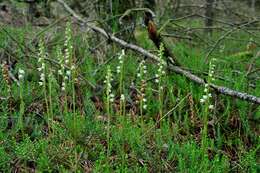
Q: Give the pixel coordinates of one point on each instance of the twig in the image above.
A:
(127, 12)
(223, 37)
(178, 70)
(168, 113)
(176, 36)
(13, 78)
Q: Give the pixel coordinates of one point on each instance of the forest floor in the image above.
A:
(72, 102)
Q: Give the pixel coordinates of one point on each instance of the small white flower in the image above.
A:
(157, 80)
(206, 85)
(42, 76)
(73, 67)
(21, 71)
(39, 69)
(144, 106)
(68, 73)
(144, 100)
(202, 100)
(209, 95)
(138, 74)
(66, 61)
(111, 99)
(205, 97)
(156, 75)
(40, 83)
(20, 76)
(122, 97)
(211, 107)
(145, 71)
(206, 90)
(163, 72)
(60, 72)
(63, 88)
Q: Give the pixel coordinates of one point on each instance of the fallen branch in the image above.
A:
(178, 70)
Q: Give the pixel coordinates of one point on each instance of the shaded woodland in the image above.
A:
(130, 86)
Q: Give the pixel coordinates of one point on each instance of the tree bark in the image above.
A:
(32, 9)
(47, 8)
(209, 13)
(253, 3)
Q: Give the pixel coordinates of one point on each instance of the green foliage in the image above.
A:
(25, 150)
(5, 159)
(68, 131)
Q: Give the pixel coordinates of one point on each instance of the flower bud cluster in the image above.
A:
(21, 74)
(65, 61)
(161, 71)
(107, 82)
(120, 59)
(42, 65)
(141, 74)
(68, 44)
(207, 95)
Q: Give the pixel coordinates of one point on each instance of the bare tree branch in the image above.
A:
(224, 36)
(176, 69)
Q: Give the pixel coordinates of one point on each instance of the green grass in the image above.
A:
(75, 138)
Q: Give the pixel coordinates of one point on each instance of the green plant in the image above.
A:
(109, 96)
(160, 79)
(207, 107)
(22, 105)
